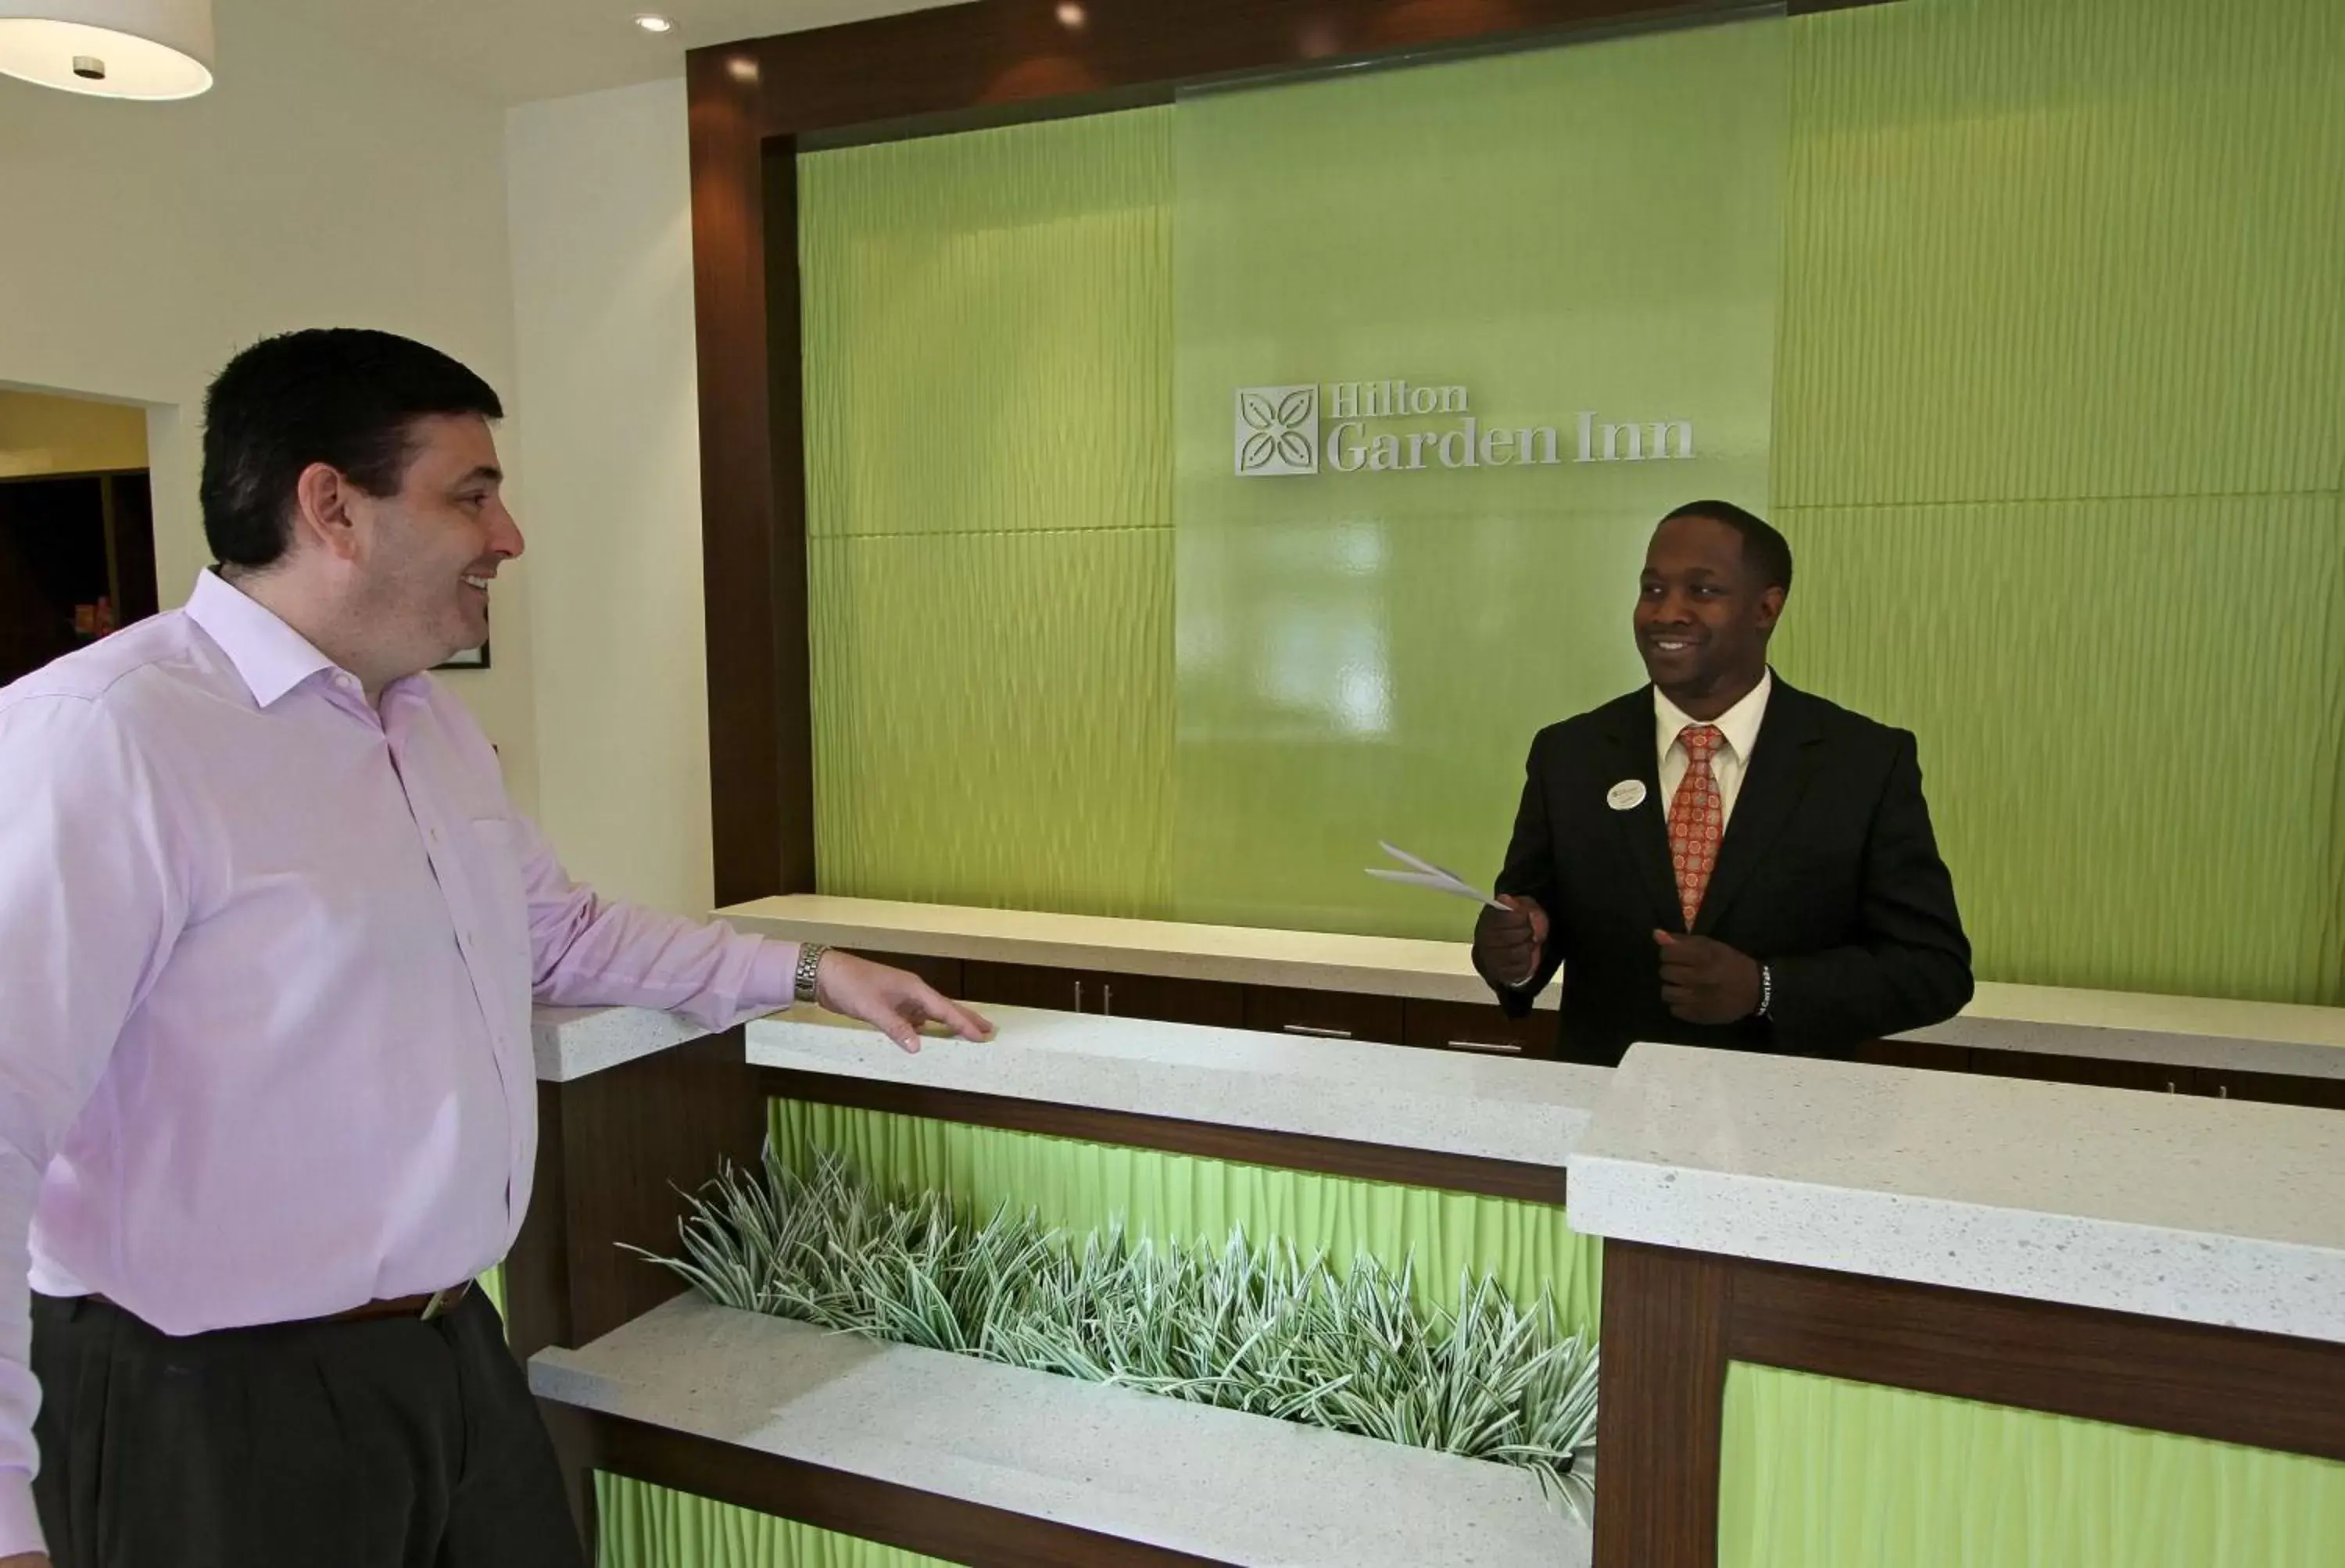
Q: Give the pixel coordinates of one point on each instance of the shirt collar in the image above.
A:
(1739, 724)
(272, 658)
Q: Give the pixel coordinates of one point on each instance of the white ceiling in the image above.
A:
(523, 50)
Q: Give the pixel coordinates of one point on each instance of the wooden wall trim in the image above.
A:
(851, 1504)
(2230, 1385)
(760, 768)
(1209, 1140)
(1001, 52)
(1013, 59)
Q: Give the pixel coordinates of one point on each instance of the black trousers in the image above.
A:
(388, 1443)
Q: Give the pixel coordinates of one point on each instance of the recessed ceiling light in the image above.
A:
(1070, 16)
(653, 22)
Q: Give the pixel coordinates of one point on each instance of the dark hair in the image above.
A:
(1762, 547)
(336, 396)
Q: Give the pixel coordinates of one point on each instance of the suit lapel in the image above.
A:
(1644, 829)
(1777, 775)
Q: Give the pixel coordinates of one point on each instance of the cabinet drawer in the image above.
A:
(2278, 1088)
(1477, 1026)
(1172, 1000)
(1923, 1053)
(1031, 985)
(2053, 1067)
(944, 973)
(1323, 1015)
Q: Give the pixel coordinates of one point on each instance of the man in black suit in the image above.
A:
(1717, 858)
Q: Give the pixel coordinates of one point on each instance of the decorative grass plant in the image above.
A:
(1244, 1328)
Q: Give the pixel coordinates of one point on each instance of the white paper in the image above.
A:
(1426, 874)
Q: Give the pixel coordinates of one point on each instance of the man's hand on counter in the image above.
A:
(896, 1002)
(1507, 943)
(1704, 980)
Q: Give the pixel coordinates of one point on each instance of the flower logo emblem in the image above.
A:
(1277, 429)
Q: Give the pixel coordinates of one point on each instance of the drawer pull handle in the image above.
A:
(1318, 1033)
(1493, 1047)
(1079, 996)
(1107, 1000)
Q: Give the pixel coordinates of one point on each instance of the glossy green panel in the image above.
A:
(1820, 1473)
(1523, 241)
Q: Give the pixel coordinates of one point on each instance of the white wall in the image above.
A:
(600, 202)
(142, 244)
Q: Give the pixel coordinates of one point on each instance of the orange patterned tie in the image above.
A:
(1697, 818)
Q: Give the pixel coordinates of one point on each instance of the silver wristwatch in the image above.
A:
(809, 966)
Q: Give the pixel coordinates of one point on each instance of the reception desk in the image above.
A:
(1426, 994)
(2019, 1252)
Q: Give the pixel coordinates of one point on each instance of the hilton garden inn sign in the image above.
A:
(1279, 431)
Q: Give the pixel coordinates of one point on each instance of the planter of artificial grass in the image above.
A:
(1258, 1331)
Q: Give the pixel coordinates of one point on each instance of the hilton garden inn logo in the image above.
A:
(1277, 431)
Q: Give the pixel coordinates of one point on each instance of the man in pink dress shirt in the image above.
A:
(269, 933)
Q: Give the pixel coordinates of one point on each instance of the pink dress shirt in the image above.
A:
(267, 957)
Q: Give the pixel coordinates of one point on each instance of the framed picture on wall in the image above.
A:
(470, 658)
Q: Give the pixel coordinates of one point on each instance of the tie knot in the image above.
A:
(1700, 739)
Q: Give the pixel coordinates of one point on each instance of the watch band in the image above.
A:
(809, 966)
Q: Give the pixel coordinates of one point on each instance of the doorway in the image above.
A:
(76, 527)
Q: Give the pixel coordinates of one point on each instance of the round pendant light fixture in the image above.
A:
(109, 49)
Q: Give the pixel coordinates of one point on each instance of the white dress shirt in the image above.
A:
(1739, 725)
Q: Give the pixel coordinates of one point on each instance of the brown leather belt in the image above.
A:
(430, 1305)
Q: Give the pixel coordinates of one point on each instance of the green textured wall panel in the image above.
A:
(992, 718)
(1085, 1186)
(650, 1527)
(1820, 1473)
(988, 375)
(987, 322)
(2053, 249)
(2128, 719)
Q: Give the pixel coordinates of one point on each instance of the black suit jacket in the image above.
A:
(1828, 872)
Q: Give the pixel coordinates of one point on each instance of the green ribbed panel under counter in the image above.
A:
(1081, 1187)
(650, 1527)
(1821, 1473)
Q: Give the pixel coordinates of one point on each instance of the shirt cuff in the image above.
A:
(773, 977)
(20, 1522)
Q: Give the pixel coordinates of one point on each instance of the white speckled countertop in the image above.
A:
(2208, 1211)
(2177, 1031)
(572, 1041)
(2135, 1026)
(1244, 955)
(1222, 1484)
(1398, 1096)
